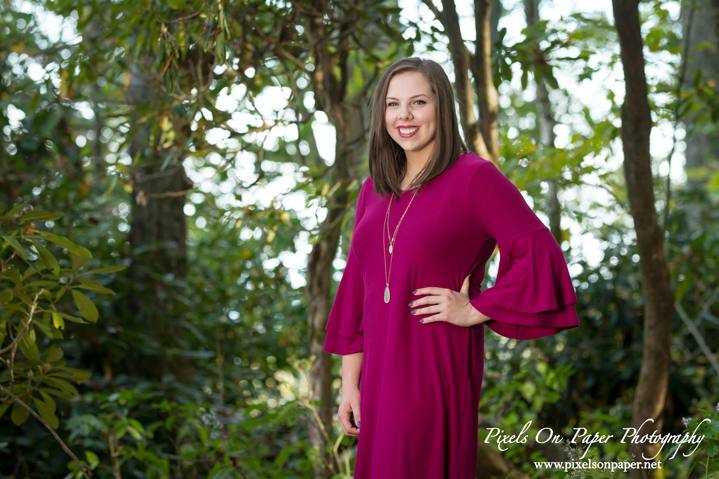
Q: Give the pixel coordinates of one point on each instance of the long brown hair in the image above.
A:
(387, 161)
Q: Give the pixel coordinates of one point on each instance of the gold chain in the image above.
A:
(391, 244)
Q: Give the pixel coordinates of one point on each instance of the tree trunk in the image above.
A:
(651, 391)
(494, 17)
(347, 114)
(702, 149)
(486, 92)
(546, 130)
(349, 125)
(491, 464)
(158, 237)
(462, 83)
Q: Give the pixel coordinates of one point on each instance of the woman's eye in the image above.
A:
(393, 103)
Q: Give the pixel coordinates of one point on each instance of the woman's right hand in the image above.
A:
(349, 412)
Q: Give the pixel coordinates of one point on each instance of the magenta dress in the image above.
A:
(420, 383)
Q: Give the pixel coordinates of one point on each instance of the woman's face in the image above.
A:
(410, 113)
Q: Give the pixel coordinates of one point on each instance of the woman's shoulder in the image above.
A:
(471, 162)
(461, 175)
(367, 187)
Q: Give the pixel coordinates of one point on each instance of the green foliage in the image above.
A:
(579, 454)
(706, 424)
(113, 433)
(159, 437)
(32, 285)
(516, 405)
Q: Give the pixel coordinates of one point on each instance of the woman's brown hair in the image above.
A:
(387, 161)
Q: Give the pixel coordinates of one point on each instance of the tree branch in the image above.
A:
(85, 472)
(13, 345)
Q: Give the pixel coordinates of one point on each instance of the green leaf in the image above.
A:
(55, 354)
(92, 459)
(29, 349)
(3, 408)
(34, 102)
(49, 401)
(62, 385)
(40, 216)
(109, 269)
(44, 328)
(57, 321)
(78, 261)
(15, 209)
(69, 317)
(43, 283)
(5, 297)
(21, 252)
(136, 424)
(46, 413)
(19, 414)
(133, 432)
(13, 275)
(59, 393)
(65, 243)
(177, 4)
(22, 296)
(94, 286)
(220, 48)
(60, 293)
(169, 80)
(85, 305)
(78, 375)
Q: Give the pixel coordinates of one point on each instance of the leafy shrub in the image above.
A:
(33, 301)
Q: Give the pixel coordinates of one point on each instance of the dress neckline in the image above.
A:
(403, 193)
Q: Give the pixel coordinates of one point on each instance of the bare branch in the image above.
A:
(697, 336)
(434, 9)
(12, 346)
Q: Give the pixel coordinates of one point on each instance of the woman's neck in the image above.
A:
(416, 160)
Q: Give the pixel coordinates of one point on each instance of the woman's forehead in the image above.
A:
(408, 84)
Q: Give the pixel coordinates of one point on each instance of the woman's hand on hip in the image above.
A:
(442, 304)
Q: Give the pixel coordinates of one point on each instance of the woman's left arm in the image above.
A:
(533, 295)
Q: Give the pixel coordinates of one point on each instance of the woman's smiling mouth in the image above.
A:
(407, 131)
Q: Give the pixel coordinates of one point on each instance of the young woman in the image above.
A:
(409, 313)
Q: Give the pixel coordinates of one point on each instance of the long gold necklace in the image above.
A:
(391, 242)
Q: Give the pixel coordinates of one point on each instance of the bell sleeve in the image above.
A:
(344, 326)
(533, 295)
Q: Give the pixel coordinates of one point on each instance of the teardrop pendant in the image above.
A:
(391, 247)
(386, 294)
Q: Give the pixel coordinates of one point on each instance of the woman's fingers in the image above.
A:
(346, 423)
(356, 414)
(348, 426)
(349, 414)
(433, 299)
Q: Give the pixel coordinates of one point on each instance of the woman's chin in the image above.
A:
(410, 144)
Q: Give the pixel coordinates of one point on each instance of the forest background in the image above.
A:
(177, 184)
